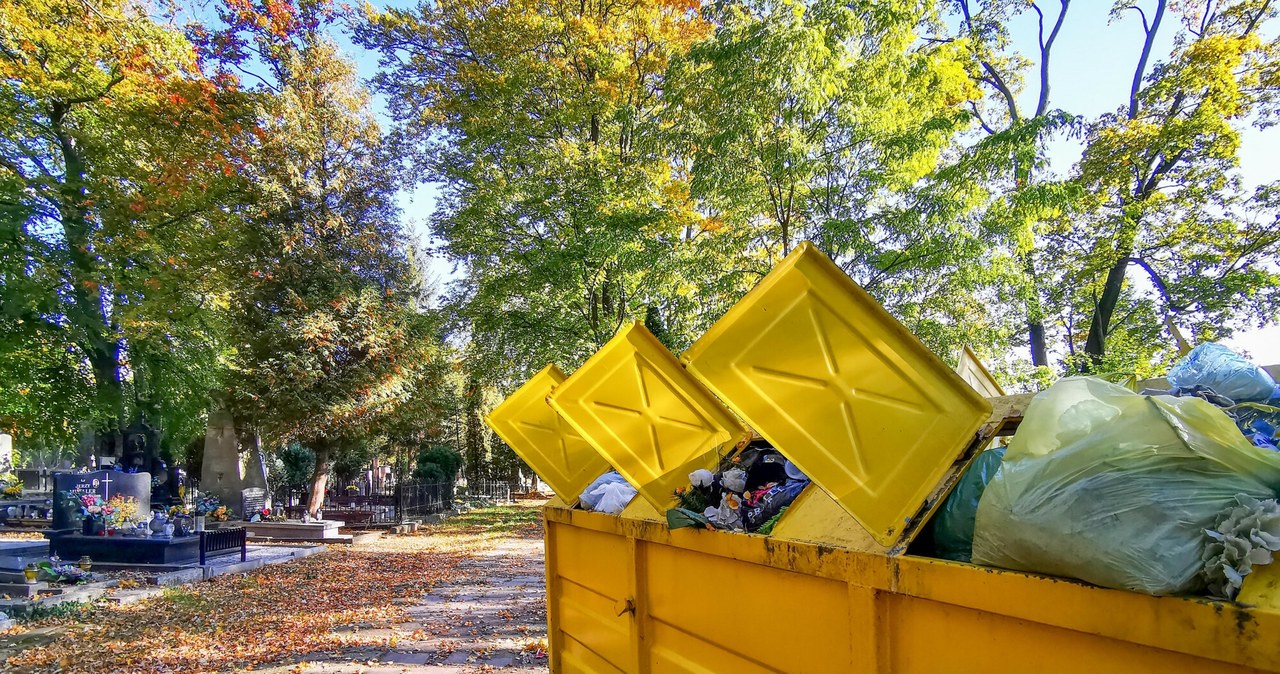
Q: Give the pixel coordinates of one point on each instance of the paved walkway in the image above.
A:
(492, 620)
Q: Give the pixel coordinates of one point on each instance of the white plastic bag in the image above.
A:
(1117, 488)
(614, 496)
(590, 497)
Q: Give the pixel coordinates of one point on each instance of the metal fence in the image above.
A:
(415, 498)
(497, 491)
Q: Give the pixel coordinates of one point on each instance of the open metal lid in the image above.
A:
(816, 366)
(551, 447)
(644, 414)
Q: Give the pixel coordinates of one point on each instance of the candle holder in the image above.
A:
(31, 573)
(86, 563)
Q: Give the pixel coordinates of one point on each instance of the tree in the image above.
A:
(116, 156)
(539, 120)
(826, 121)
(1152, 234)
(1168, 201)
(327, 334)
(1011, 159)
(437, 464)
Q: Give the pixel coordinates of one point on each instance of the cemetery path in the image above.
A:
(490, 617)
(461, 597)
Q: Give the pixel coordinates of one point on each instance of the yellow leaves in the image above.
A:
(712, 224)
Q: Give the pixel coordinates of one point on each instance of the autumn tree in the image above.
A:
(324, 319)
(116, 157)
(1168, 203)
(540, 120)
(1152, 238)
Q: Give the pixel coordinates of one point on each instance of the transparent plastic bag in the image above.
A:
(1223, 370)
(1116, 488)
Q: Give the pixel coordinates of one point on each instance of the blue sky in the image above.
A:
(1090, 73)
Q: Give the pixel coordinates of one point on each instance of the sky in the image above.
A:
(1091, 71)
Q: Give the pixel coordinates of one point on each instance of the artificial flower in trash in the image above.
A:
(734, 480)
(701, 478)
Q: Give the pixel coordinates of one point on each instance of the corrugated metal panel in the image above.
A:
(645, 415)
(971, 369)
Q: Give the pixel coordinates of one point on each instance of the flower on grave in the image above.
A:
(12, 491)
(351, 488)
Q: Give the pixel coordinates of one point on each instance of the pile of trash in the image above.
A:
(749, 492)
(609, 493)
(1162, 492)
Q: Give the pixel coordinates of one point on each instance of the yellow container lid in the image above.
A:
(551, 447)
(825, 374)
(971, 369)
(652, 421)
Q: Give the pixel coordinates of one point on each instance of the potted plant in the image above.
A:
(210, 507)
(92, 512)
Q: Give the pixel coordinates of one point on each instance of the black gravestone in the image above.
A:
(69, 487)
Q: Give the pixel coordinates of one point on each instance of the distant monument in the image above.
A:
(6, 453)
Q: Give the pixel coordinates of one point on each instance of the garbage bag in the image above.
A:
(1117, 488)
(953, 527)
(614, 497)
(1223, 370)
(590, 498)
(763, 509)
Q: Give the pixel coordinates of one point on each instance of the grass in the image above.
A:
(498, 519)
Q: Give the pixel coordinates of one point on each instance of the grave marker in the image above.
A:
(69, 487)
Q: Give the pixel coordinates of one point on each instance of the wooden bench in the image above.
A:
(219, 540)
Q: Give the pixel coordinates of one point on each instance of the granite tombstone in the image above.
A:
(69, 487)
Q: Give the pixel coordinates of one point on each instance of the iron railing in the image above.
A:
(498, 491)
(415, 498)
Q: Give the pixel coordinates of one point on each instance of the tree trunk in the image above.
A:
(1039, 351)
(86, 312)
(320, 477)
(1095, 347)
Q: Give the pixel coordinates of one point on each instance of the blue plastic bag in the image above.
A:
(1225, 371)
(953, 527)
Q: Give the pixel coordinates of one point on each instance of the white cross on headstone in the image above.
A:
(106, 488)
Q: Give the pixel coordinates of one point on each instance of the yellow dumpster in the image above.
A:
(883, 429)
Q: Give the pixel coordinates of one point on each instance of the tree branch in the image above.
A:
(1146, 54)
(1045, 48)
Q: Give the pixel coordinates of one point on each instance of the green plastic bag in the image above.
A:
(953, 527)
(1116, 488)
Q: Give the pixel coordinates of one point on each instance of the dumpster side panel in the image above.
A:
(591, 577)
(712, 610)
(977, 641)
(711, 602)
